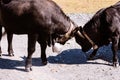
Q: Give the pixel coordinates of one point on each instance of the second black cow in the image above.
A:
(103, 28)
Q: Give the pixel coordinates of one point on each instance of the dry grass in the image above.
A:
(83, 6)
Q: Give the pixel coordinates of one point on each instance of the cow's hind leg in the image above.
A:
(115, 41)
(10, 48)
(31, 48)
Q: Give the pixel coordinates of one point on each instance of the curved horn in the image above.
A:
(78, 32)
(68, 34)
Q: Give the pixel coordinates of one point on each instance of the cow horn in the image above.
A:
(68, 34)
(70, 30)
(78, 32)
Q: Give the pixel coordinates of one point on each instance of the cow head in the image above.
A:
(82, 41)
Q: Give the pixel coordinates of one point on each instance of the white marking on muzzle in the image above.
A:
(57, 47)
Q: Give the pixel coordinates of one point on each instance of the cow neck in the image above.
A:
(90, 40)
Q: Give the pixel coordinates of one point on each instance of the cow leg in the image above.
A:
(115, 41)
(93, 54)
(10, 48)
(43, 45)
(31, 48)
(0, 39)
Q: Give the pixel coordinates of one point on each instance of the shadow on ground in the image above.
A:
(14, 64)
(76, 56)
(70, 57)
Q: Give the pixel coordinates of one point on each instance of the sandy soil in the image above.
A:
(70, 64)
(84, 6)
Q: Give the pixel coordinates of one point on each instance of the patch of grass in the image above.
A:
(83, 6)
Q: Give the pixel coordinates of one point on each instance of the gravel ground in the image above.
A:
(70, 64)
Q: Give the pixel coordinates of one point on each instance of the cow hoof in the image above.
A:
(11, 54)
(44, 62)
(116, 64)
(28, 69)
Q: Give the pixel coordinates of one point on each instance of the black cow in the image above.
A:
(42, 20)
(103, 28)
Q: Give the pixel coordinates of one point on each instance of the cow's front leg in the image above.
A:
(10, 48)
(92, 55)
(43, 53)
(115, 41)
(43, 45)
(31, 48)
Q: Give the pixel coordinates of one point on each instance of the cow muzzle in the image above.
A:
(57, 47)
